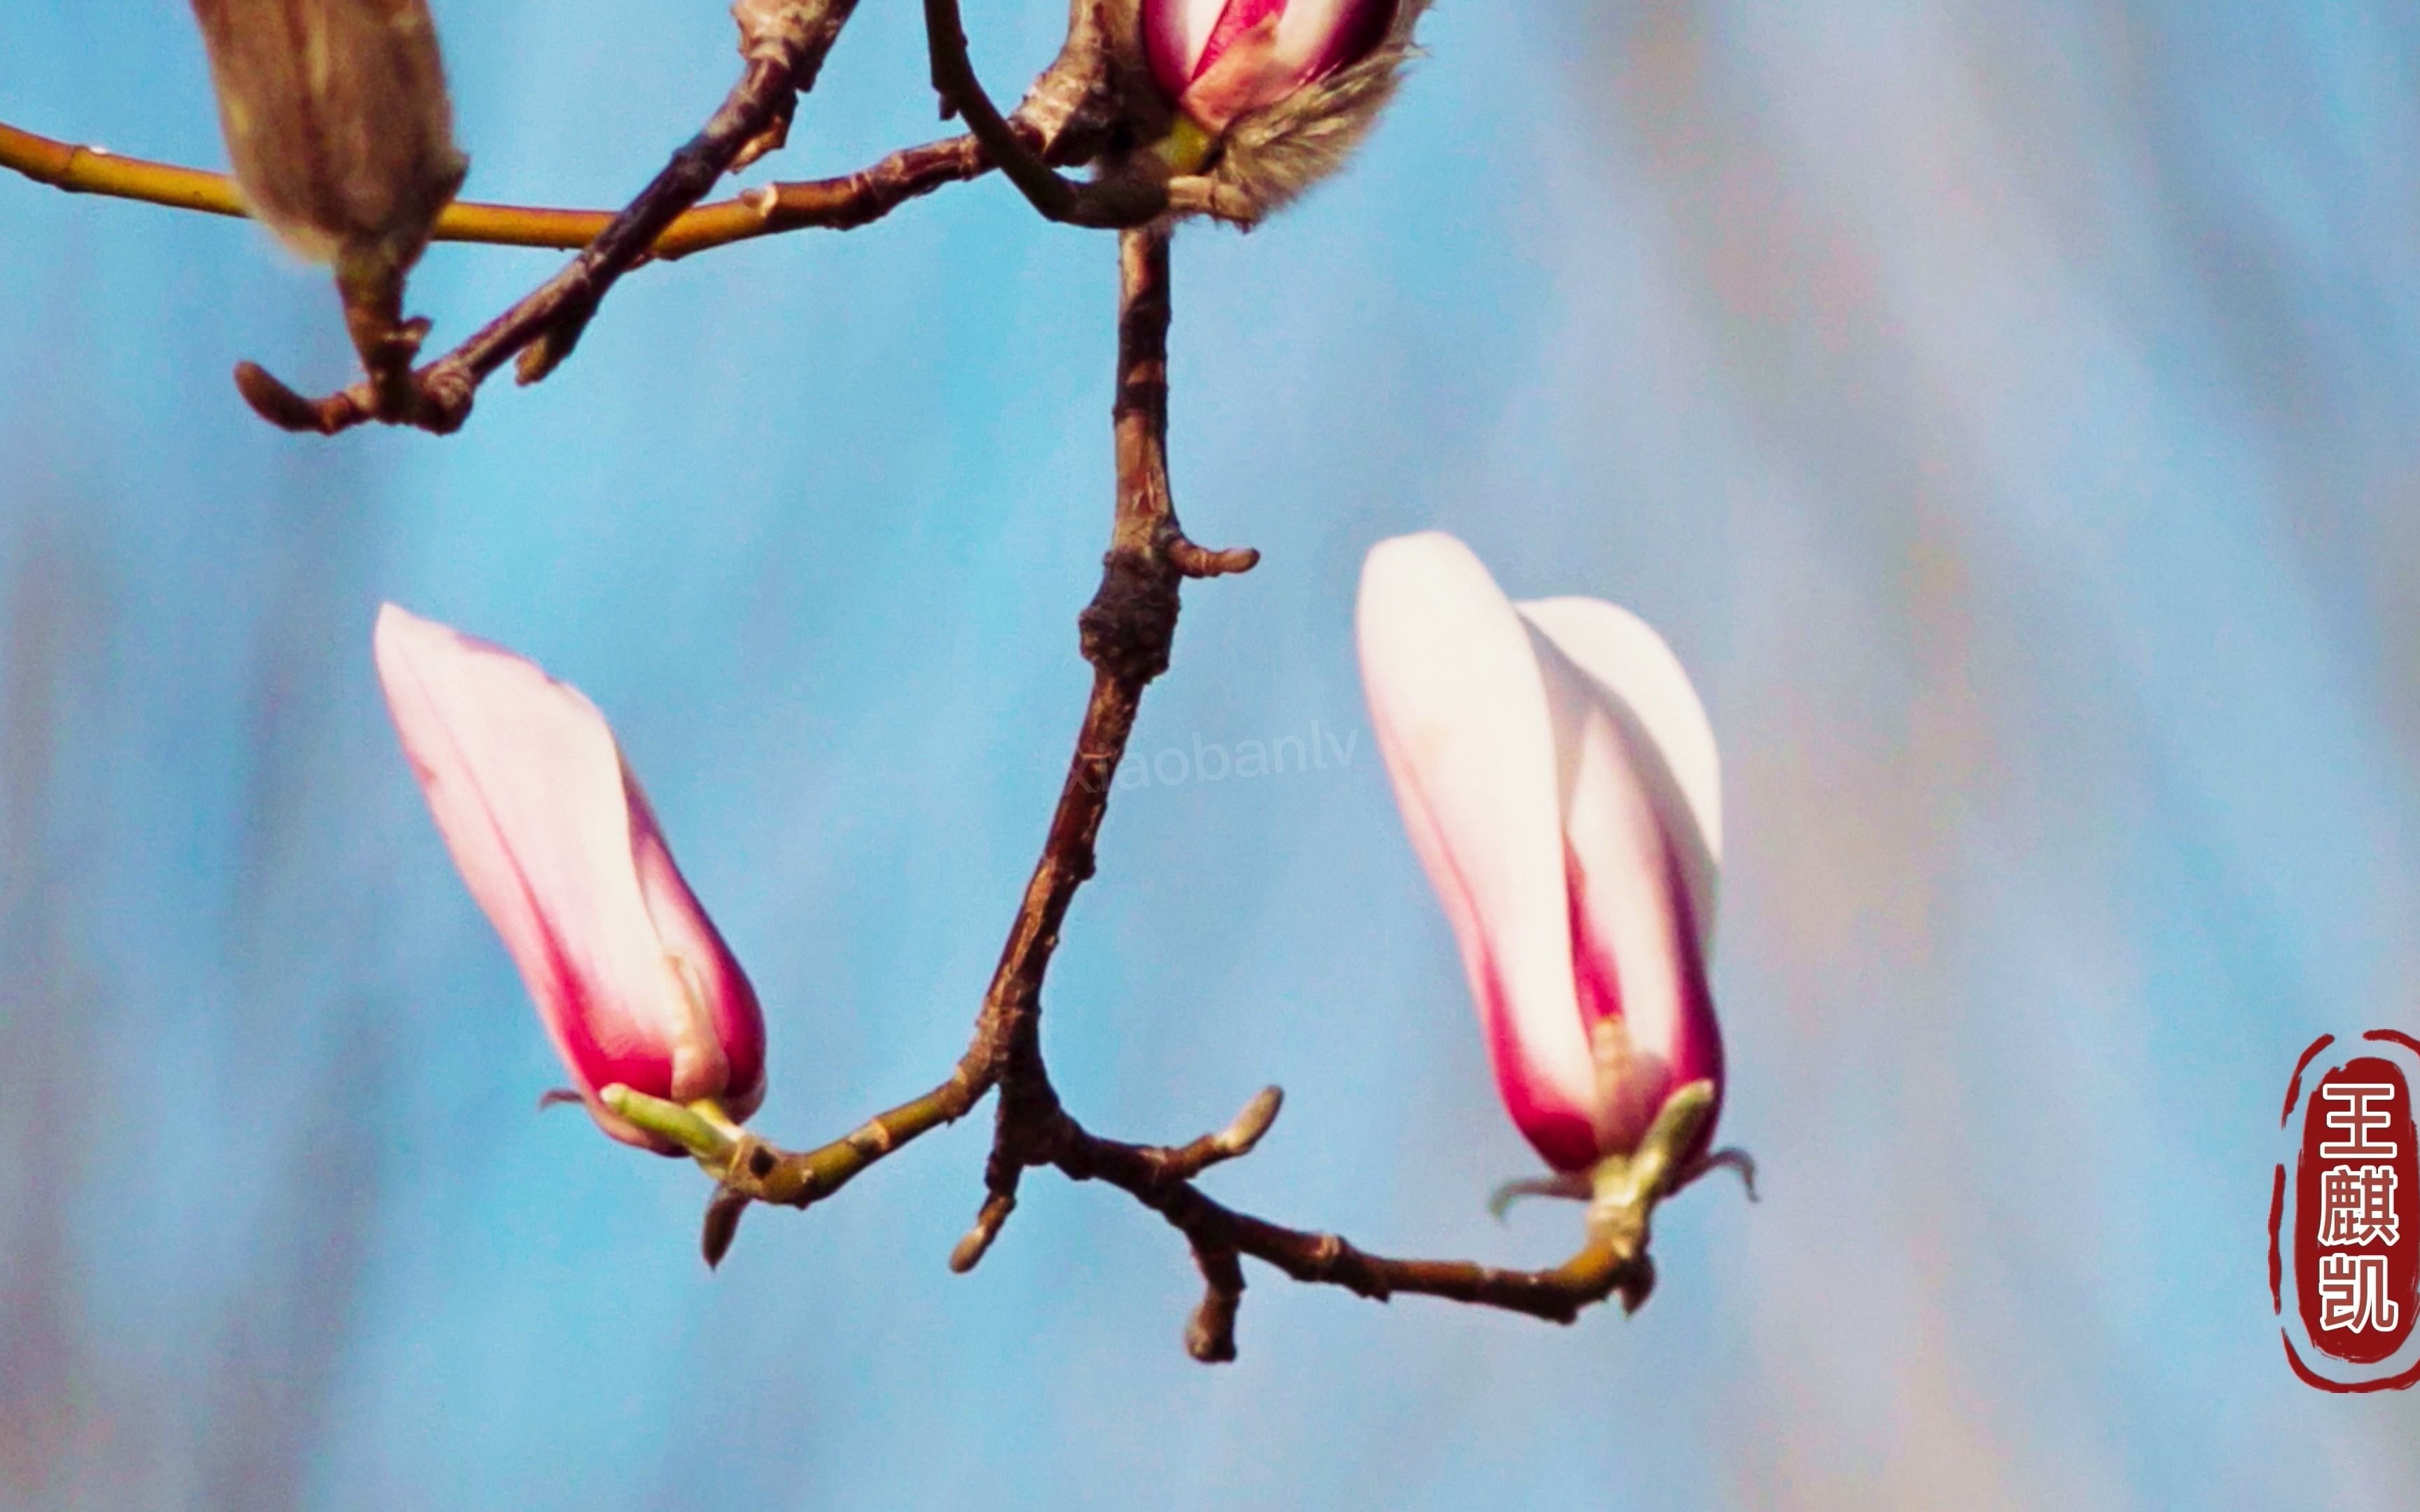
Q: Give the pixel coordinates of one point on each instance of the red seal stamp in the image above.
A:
(2344, 1215)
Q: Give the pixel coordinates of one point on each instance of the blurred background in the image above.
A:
(2006, 410)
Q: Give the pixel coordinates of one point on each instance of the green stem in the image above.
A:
(810, 1176)
(1628, 1186)
(699, 1128)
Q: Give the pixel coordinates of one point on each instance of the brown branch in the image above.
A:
(437, 396)
(1126, 634)
(1612, 1261)
(92, 170)
(1065, 119)
(1125, 200)
(784, 42)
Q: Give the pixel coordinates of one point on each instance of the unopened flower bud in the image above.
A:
(1560, 782)
(1273, 95)
(337, 124)
(558, 845)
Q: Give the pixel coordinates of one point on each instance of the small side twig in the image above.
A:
(1608, 1265)
(1000, 1175)
(761, 1173)
(1182, 1162)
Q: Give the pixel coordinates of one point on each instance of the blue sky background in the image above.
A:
(2008, 410)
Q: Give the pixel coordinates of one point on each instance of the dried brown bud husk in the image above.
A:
(342, 137)
(336, 120)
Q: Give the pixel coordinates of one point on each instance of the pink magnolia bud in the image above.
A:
(1217, 59)
(1560, 782)
(560, 848)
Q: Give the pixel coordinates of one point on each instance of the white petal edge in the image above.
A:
(1461, 716)
(526, 781)
(1632, 930)
(1623, 653)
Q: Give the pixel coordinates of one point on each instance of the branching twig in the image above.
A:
(1062, 120)
(1126, 634)
(1058, 121)
(784, 42)
(1139, 193)
(1125, 201)
(1071, 115)
(1609, 1263)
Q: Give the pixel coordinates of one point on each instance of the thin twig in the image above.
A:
(1062, 120)
(1124, 201)
(1606, 1265)
(784, 44)
(1126, 633)
(838, 204)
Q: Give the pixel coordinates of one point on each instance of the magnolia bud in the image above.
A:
(559, 846)
(337, 123)
(1560, 782)
(1273, 95)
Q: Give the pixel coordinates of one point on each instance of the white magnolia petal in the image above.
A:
(1462, 720)
(720, 1051)
(525, 781)
(1633, 663)
(1634, 945)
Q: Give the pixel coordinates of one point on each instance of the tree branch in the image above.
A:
(1061, 119)
(1126, 633)
(1066, 117)
(1130, 200)
(784, 44)
(1610, 1262)
(840, 203)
